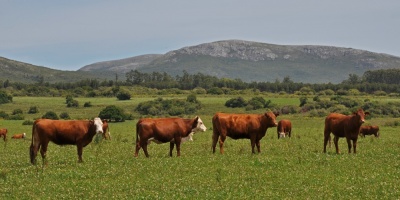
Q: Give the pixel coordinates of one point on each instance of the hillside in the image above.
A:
(16, 71)
(253, 61)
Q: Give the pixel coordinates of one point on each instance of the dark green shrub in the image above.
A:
(68, 99)
(215, 90)
(303, 101)
(191, 98)
(50, 115)
(173, 107)
(123, 96)
(73, 103)
(17, 111)
(87, 104)
(64, 115)
(237, 102)
(91, 94)
(4, 98)
(33, 110)
(113, 113)
(3, 115)
(16, 117)
(27, 122)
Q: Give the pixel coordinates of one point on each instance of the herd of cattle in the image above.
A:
(178, 130)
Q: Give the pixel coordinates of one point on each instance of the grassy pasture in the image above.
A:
(292, 168)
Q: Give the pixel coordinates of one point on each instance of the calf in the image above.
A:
(162, 130)
(369, 130)
(106, 130)
(19, 136)
(284, 128)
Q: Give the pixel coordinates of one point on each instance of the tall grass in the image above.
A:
(292, 168)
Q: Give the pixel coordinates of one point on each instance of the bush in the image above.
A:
(73, 103)
(3, 115)
(87, 104)
(27, 122)
(16, 117)
(33, 110)
(17, 111)
(215, 90)
(237, 102)
(123, 96)
(113, 113)
(68, 99)
(172, 107)
(4, 98)
(50, 115)
(256, 103)
(191, 98)
(64, 115)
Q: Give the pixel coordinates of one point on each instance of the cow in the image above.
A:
(107, 134)
(284, 128)
(3, 133)
(162, 130)
(369, 130)
(347, 126)
(19, 136)
(60, 132)
(241, 126)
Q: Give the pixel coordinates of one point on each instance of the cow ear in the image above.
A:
(366, 113)
(196, 118)
(276, 114)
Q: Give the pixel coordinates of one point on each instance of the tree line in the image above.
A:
(370, 82)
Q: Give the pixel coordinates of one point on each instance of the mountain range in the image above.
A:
(245, 60)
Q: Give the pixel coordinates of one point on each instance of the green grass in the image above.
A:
(292, 168)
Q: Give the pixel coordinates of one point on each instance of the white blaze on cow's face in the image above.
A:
(200, 126)
(99, 125)
(282, 135)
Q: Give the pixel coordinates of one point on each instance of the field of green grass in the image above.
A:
(292, 168)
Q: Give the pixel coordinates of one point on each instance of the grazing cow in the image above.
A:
(3, 133)
(284, 128)
(162, 130)
(241, 126)
(19, 136)
(369, 130)
(344, 126)
(69, 132)
(107, 134)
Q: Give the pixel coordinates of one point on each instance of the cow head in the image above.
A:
(282, 134)
(271, 118)
(23, 135)
(98, 124)
(198, 125)
(360, 114)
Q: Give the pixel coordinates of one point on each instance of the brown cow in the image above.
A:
(3, 133)
(107, 134)
(162, 130)
(19, 136)
(241, 126)
(284, 128)
(344, 126)
(69, 132)
(369, 130)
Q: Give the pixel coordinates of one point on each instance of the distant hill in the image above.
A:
(16, 71)
(253, 61)
(249, 61)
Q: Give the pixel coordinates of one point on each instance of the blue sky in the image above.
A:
(68, 35)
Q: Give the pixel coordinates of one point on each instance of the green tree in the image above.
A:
(50, 115)
(113, 113)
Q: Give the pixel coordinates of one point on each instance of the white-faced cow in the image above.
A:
(68, 132)
(241, 126)
(347, 126)
(162, 130)
(3, 133)
(284, 128)
(369, 130)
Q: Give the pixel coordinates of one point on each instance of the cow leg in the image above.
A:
(43, 150)
(171, 147)
(253, 143)
(354, 145)
(327, 137)
(336, 142)
(80, 149)
(144, 147)
(178, 149)
(137, 149)
(221, 143)
(33, 152)
(215, 137)
(348, 144)
(258, 146)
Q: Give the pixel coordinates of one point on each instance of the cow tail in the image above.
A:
(32, 147)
